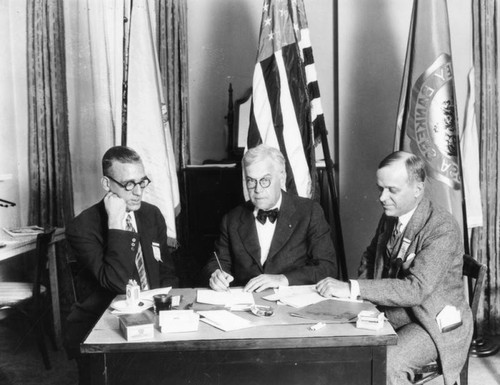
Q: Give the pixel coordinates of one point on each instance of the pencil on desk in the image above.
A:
(220, 267)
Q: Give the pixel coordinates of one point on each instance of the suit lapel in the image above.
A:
(414, 226)
(284, 226)
(248, 234)
(417, 222)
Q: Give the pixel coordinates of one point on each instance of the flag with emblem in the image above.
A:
(427, 122)
(148, 127)
(286, 110)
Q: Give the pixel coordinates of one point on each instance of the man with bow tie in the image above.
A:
(276, 238)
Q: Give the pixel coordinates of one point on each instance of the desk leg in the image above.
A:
(379, 365)
(54, 292)
(98, 369)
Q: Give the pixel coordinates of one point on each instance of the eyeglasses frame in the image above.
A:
(124, 186)
(266, 178)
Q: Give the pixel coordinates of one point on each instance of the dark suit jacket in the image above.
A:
(106, 261)
(431, 281)
(301, 249)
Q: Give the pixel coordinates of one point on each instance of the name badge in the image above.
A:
(156, 251)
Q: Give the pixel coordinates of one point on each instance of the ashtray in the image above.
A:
(262, 311)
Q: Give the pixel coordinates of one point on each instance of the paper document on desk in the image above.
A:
(301, 295)
(296, 296)
(224, 320)
(335, 311)
(225, 298)
(148, 294)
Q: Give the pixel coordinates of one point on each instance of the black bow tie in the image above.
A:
(269, 214)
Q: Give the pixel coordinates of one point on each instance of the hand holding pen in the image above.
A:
(219, 279)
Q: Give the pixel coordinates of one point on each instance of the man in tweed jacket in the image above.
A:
(413, 274)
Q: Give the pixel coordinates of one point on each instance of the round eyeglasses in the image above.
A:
(264, 182)
(130, 185)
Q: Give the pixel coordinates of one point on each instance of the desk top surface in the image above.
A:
(279, 331)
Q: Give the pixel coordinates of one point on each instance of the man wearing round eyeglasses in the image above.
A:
(276, 238)
(118, 239)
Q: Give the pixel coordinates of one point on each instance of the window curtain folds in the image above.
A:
(485, 240)
(51, 197)
(172, 55)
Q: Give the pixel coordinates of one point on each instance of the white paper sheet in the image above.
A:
(225, 298)
(224, 320)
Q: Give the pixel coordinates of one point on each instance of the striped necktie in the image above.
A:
(391, 244)
(139, 260)
(394, 237)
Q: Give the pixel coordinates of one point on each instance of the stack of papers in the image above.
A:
(224, 320)
(225, 298)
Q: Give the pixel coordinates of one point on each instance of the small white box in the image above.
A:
(137, 327)
(172, 321)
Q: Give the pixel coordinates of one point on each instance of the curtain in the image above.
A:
(50, 180)
(51, 197)
(485, 242)
(94, 46)
(172, 55)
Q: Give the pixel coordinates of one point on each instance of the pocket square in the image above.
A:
(409, 260)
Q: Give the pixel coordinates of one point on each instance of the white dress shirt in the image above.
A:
(265, 232)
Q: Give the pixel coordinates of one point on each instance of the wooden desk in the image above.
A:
(21, 245)
(283, 353)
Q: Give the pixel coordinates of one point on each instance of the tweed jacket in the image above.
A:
(301, 248)
(106, 259)
(426, 284)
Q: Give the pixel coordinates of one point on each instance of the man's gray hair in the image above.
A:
(415, 166)
(262, 152)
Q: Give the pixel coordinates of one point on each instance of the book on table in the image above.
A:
(24, 231)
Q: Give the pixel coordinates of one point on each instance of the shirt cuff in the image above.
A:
(354, 289)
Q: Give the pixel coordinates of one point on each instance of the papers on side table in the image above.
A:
(24, 231)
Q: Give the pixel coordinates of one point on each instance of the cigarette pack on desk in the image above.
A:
(172, 321)
(137, 327)
(370, 319)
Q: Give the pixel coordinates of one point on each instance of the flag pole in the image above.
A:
(127, 23)
(329, 164)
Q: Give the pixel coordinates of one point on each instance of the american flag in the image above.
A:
(286, 110)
